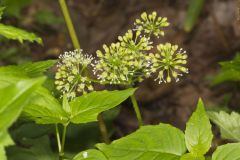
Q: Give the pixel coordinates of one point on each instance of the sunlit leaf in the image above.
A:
(14, 33)
(190, 156)
(198, 133)
(13, 99)
(149, 142)
(43, 108)
(5, 140)
(227, 152)
(229, 124)
(14, 73)
(87, 107)
(35, 69)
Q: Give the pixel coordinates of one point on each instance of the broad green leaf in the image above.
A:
(229, 151)
(32, 149)
(14, 98)
(190, 156)
(87, 107)
(5, 140)
(229, 124)
(43, 108)
(91, 154)
(194, 10)
(14, 73)
(148, 143)
(35, 69)
(14, 7)
(14, 33)
(198, 133)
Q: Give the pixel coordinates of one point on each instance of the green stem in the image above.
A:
(61, 154)
(69, 23)
(103, 129)
(137, 110)
(58, 138)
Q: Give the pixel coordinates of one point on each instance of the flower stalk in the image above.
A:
(137, 110)
(69, 78)
(69, 24)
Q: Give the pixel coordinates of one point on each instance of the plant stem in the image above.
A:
(58, 138)
(76, 45)
(69, 23)
(61, 154)
(103, 129)
(137, 110)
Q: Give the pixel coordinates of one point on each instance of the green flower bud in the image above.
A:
(169, 61)
(151, 24)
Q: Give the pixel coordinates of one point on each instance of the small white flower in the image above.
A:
(70, 76)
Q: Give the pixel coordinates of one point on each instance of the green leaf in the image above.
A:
(36, 149)
(34, 130)
(227, 152)
(36, 69)
(5, 140)
(14, 33)
(230, 71)
(87, 107)
(1, 12)
(190, 156)
(14, 98)
(44, 108)
(194, 10)
(149, 142)
(229, 124)
(198, 133)
(14, 7)
(91, 154)
(14, 73)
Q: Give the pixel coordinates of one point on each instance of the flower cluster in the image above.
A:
(127, 61)
(134, 43)
(151, 24)
(124, 62)
(70, 76)
(169, 62)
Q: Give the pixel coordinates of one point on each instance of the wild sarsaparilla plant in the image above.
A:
(126, 62)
